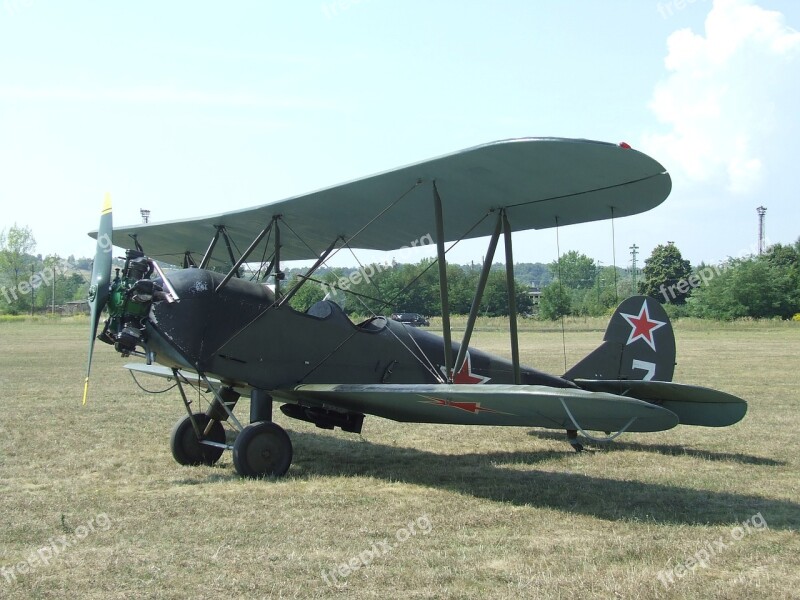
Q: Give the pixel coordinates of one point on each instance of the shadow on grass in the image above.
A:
(497, 477)
(669, 450)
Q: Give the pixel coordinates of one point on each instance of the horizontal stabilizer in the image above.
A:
(488, 404)
(693, 404)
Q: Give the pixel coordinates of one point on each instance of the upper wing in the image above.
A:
(541, 182)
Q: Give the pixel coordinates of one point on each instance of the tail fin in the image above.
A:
(639, 344)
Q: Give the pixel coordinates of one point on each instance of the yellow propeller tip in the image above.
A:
(85, 390)
(106, 204)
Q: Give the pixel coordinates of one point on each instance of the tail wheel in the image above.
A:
(187, 449)
(262, 449)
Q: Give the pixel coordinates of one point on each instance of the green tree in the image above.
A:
(575, 270)
(555, 302)
(665, 275)
(759, 287)
(16, 247)
(308, 294)
(495, 297)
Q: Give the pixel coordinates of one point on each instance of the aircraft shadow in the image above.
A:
(498, 477)
(668, 450)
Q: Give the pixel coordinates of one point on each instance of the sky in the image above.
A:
(194, 108)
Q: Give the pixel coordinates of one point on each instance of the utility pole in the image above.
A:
(597, 279)
(762, 212)
(53, 312)
(634, 252)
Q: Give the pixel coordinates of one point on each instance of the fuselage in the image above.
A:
(241, 335)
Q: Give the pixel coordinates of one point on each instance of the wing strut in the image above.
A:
(228, 245)
(303, 278)
(207, 256)
(277, 257)
(448, 344)
(246, 253)
(512, 299)
(476, 300)
(593, 438)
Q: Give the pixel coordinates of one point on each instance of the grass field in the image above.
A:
(93, 505)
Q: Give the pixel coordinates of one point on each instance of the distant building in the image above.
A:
(535, 295)
(76, 307)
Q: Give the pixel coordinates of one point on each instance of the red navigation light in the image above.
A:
(625, 145)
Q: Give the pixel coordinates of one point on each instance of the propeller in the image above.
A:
(101, 278)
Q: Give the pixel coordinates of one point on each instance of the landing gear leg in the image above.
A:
(572, 438)
(260, 406)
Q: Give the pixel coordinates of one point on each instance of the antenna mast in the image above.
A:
(762, 212)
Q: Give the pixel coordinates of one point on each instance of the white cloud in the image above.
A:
(727, 95)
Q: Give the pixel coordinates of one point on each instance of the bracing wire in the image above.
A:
(144, 389)
(614, 256)
(263, 257)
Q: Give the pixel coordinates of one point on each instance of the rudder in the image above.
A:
(639, 344)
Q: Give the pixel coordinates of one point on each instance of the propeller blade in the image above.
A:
(101, 278)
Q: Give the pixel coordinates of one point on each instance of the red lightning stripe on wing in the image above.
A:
(470, 407)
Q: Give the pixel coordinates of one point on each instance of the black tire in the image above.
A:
(187, 449)
(262, 449)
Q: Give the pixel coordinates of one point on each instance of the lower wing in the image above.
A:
(487, 404)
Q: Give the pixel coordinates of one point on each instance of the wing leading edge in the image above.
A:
(488, 404)
(541, 182)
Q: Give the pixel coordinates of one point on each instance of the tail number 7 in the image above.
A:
(645, 366)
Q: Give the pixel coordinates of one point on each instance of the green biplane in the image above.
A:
(231, 336)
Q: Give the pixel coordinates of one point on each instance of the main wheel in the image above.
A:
(262, 449)
(187, 449)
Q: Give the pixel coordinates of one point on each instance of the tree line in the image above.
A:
(759, 286)
(29, 282)
(756, 286)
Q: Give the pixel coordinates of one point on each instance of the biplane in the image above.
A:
(206, 327)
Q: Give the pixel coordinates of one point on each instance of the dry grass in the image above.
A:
(513, 513)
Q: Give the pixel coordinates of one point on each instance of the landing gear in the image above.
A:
(262, 449)
(572, 438)
(187, 448)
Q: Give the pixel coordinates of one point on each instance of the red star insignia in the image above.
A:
(465, 374)
(642, 326)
